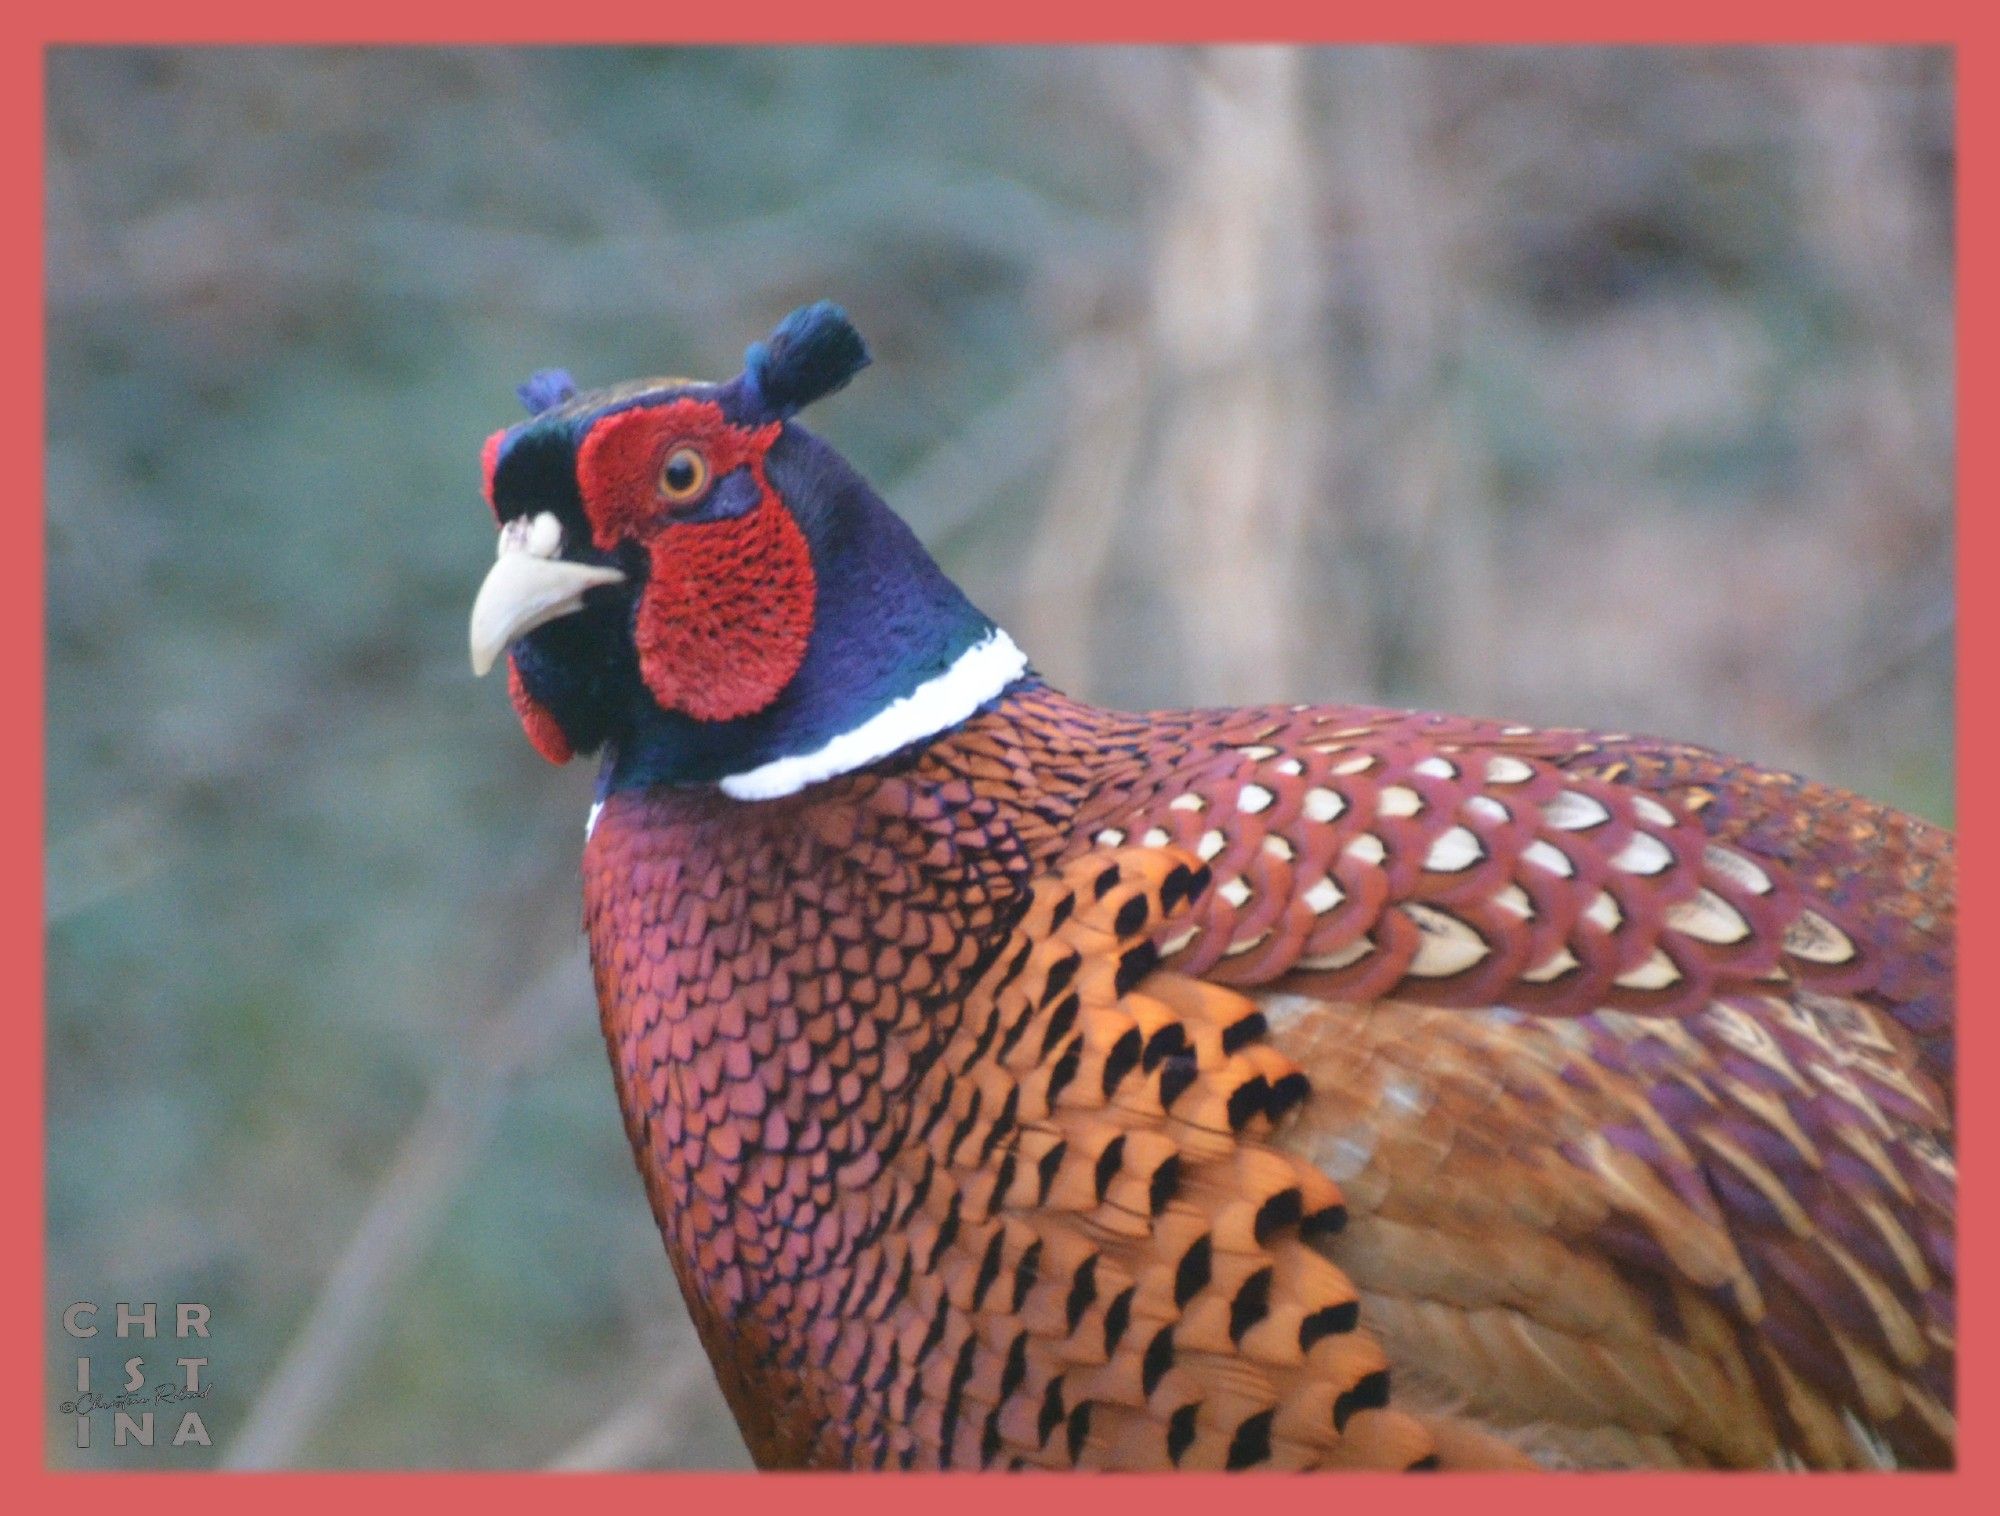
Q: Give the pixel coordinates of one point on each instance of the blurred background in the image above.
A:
(1610, 388)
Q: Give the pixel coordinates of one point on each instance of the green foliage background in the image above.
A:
(1615, 388)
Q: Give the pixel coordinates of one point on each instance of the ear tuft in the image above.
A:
(546, 389)
(813, 352)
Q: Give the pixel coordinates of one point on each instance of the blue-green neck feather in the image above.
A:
(887, 620)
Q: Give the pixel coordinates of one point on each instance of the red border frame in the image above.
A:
(21, 687)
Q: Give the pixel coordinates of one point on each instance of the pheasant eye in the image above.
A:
(683, 476)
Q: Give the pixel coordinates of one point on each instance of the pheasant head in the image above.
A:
(691, 580)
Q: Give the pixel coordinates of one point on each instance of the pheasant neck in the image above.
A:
(897, 655)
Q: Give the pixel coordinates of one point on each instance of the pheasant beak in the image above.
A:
(528, 586)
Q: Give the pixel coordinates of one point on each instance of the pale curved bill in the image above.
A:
(523, 591)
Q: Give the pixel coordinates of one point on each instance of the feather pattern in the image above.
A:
(1294, 1088)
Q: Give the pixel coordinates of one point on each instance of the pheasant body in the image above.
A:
(1022, 1084)
(837, 1057)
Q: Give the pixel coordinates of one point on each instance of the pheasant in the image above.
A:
(1022, 1084)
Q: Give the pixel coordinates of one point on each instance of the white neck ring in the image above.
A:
(939, 703)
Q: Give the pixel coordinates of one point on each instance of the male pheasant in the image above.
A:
(1023, 1084)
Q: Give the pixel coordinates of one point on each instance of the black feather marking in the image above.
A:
(1003, 1180)
(948, 1230)
(1287, 1092)
(1252, 1443)
(920, 1191)
(989, 1440)
(1131, 916)
(1003, 1122)
(935, 1333)
(1045, 1168)
(1065, 1069)
(1109, 1162)
(936, 1112)
(1052, 1410)
(1061, 1019)
(1082, 1291)
(1107, 881)
(1176, 887)
(1329, 1221)
(1159, 1358)
(989, 1267)
(1241, 1033)
(1060, 973)
(1079, 1430)
(1018, 962)
(1016, 1370)
(1117, 1317)
(1328, 1321)
(1180, 1430)
(891, 1368)
(965, 1124)
(846, 1292)
(1121, 1060)
(1251, 1305)
(1247, 1100)
(961, 1375)
(1061, 911)
(859, 1373)
(1140, 959)
(1164, 1184)
(1026, 1272)
(1012, 1035)
(984, 1042)
(901, 1287)
(1196, 1266)
(1167, 1041)
(1369, 1393)
(1281, 1210)
(1428, 1464)
(1176, 1074)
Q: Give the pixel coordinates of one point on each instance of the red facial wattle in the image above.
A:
(489, 463)
(728, 606)
(543, 730)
